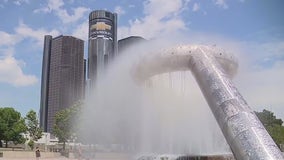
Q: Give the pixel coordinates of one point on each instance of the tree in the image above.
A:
(35, 132)
(63, 128)
(12, 125)
(277, 133)
(272, 125)
(268, 118)
(31, 143)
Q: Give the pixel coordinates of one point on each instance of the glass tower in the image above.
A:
(62, 77)
(102, 43)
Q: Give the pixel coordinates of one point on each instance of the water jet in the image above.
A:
(213, 69)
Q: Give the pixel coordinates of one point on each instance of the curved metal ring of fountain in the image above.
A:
(213, 69)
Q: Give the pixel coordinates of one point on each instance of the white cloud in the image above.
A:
(5, 52)
(124, 32)
(44, 10)
(263, 89)
(8, 39)
(56, 6)
(25, 31)
(22, 31)
(119, 10)
(195, 7)
(221, 3)
(81, 31)
(16, 2)
(11, 69)
(274, 48)
(262, 55)
(161, 9)
(20, 2)
(261, 82)
(78, 14)
(161, 18)
(11, 72)
(71, 1)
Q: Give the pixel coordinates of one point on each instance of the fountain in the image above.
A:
(124, 118)
(213, 69)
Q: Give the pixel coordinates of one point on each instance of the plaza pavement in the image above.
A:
(98, 156)
(59, 158)
(16, 155)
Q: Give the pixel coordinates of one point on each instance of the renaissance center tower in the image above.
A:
(62, 77)
(102, 42)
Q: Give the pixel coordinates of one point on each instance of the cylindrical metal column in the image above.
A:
(45, 81)
(102, 42)
(243, 131)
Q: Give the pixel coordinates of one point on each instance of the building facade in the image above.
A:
(45, 80)
(102, 43)
(62, 77)
(125, 43)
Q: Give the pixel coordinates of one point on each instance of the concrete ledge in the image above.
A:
(28, 154)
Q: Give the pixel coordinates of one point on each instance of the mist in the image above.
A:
(165, 114)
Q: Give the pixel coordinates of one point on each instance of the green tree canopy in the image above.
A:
(268, 118)
(64, 128)
(12, 125)
(272, 125)
(35, 132)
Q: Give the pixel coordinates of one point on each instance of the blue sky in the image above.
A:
(251, 29)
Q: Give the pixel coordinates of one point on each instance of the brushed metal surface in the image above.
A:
(213, 69)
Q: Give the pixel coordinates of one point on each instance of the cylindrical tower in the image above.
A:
(45, 82)
(102, 42)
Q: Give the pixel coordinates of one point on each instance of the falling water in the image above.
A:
(165, 114)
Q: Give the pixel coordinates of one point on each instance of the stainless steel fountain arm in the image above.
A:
(243, 131)
(213, 69)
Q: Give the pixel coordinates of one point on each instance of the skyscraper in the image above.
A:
(127, 42)
(44, 81)
(62, 76)
(102, 42)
